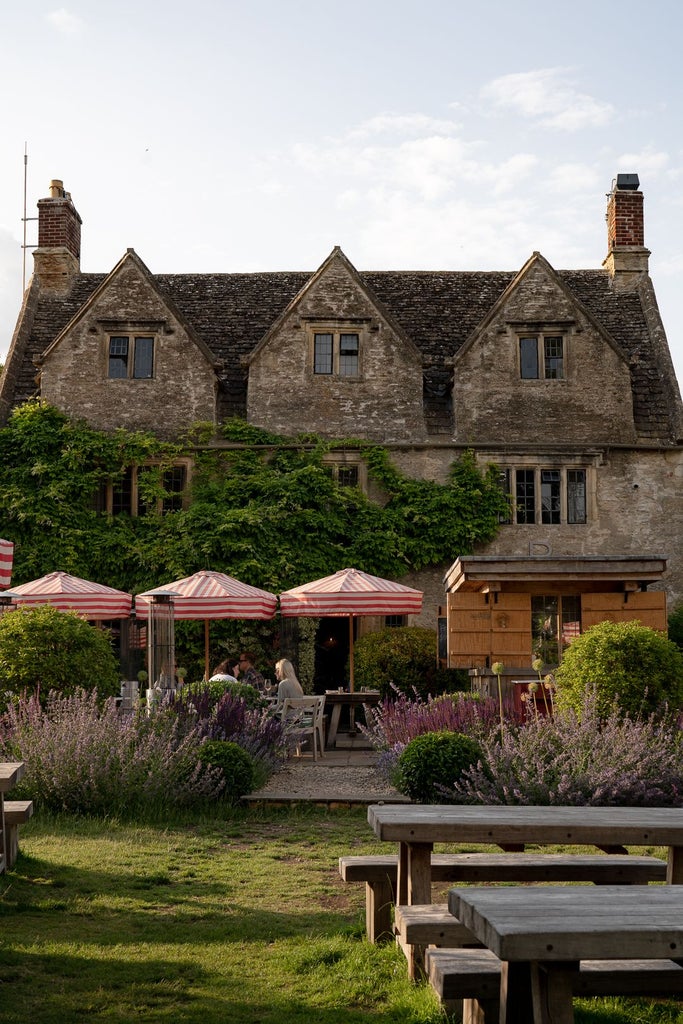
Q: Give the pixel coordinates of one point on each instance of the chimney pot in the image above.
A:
(56, 189)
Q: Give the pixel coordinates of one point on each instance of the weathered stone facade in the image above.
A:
(382, 402)
(74, 374)
(589, 435)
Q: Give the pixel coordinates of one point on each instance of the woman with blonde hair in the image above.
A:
(288, 684)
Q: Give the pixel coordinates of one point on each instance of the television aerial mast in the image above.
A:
(25, 220)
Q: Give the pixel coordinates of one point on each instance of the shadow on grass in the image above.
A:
(54, 989)
(159, 908)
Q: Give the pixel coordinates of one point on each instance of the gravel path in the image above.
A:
(322, 782)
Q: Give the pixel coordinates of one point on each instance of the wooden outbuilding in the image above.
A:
(519, 608)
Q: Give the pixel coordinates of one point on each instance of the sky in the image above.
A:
(225, 136)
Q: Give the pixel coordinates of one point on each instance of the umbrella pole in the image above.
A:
(206, 650)
(351, 653)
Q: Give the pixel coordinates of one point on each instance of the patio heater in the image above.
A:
(160, 644)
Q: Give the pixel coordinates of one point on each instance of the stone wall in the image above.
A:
(74, 374)
(384, 402)
(492, 402)
(634, 509)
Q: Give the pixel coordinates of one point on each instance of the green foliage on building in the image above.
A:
(260, 507)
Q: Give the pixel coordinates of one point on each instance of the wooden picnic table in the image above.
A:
(417, 827)
(10, 773)
(540, 933)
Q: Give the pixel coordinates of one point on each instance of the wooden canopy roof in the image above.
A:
(493, 572)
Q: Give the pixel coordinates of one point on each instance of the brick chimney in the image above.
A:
(627, 257)
(56, 261)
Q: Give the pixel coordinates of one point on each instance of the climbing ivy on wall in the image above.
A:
(263, 508)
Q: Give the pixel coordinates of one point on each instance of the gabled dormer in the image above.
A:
(541, 369)
(128, 359)
(335, 362)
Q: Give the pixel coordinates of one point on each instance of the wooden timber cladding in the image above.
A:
(487, 627)
(484, 628)
(648, 607)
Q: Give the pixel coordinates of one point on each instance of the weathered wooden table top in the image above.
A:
(570, 922)
(10, 773)
(502, 824)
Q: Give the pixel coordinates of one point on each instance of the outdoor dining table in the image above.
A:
(10, 773)
(417, 827)
(338, 699)
(540, 933)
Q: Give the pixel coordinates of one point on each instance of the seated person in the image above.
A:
(249, 674)
(222, 673)
(288, 684)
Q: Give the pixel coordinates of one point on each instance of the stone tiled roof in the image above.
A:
(437, 310)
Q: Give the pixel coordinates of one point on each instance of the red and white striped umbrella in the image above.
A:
(70, 593)
(351, 592)
(6, 559)
(212, 595)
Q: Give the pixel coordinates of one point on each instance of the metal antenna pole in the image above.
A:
(25, 220)
(23, 248)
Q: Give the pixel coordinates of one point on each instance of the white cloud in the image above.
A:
(65, 22)
(575, 178)
(646, 162)
(550, 97)
(402, 124)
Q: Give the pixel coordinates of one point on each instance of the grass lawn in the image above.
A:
(223, 921)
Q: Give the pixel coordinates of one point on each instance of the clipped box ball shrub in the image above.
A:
(622, 664)
(433, 762)
(235, 763)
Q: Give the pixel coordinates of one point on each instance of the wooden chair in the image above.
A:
(304, 717)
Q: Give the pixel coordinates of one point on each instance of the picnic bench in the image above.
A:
(379, 873)
(552, 943)
(10, 773)
(469, 979)
(417, 828)
(16, 813)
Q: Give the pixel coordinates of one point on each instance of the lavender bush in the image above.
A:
(230, 717)
(586, 759)
(82, 756)
(395, 722)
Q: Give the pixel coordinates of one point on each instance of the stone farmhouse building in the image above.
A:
(563, 378)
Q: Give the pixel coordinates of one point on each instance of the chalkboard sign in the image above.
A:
(442, 630)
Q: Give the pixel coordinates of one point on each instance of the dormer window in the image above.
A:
(541, 357)
(131, 356)
(336, 353)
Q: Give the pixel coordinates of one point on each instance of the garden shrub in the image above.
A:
(43, 650)
(586, 759)
(397, 722)
(257, 731)
(392, 724)
(676, 626)
(433, 762)
(235, 764)
(84, 757)
(218, 687)
(403, 659)
(624, 664)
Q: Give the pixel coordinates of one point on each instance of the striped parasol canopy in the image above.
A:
(212, 595)
(351, 592)
(6, 559)
(70, 593)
